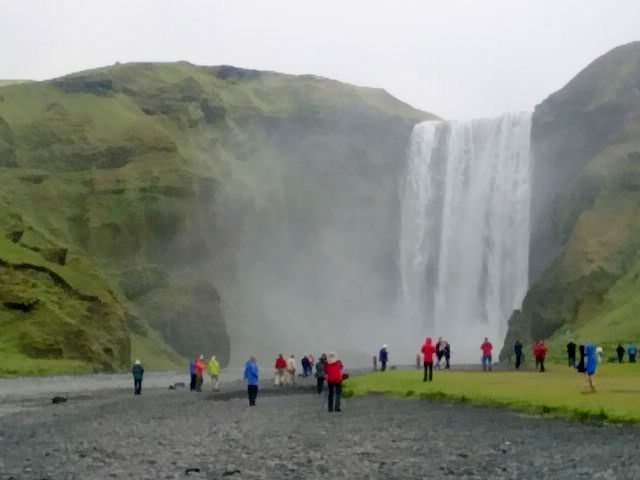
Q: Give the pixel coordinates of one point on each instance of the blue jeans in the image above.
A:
(486, 362)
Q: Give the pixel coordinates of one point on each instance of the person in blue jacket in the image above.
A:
(138, 373)
(632, 351)
(590, 367)
(251, 376)
(383, 357)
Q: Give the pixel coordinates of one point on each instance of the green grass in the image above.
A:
(556, 392)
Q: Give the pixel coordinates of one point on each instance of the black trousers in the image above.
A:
(383, 366)
(192, 385)
(572, 361)
(335, 392)
(518, 361)
(252, 390)
(428, 371)
(137, 387)
(540, 364)
(320, 384)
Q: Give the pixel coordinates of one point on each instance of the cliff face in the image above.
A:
(136, 198)
(585, 206)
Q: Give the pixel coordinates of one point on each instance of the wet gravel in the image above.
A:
(167, 434)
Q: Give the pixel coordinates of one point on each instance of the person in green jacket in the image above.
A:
(213, 369)
(138, 372)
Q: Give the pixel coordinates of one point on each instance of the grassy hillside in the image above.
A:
(128, 190)
(586, 208)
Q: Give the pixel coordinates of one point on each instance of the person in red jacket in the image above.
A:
(199, 372)
(428, 350)
(486, 348)
(539, 352)
(334, 372)
(281, 370)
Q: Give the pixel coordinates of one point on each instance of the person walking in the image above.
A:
(428, 350)
(620, 352)
(281, 370)
(571, 353)
(334, 371)
(213, 369)
(438, 352)
(291, 370)
(540, 352)
(305, 366)
(446, 353)
(138, 373)
(383, 357)
(487, 349)
(320, 373)
(632, 351)
(591, 365)
(517, 350)
(252, 378)
(192, 372)
(199, 372)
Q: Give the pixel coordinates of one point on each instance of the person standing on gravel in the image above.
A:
(252, 377)
(428, 350)
(291, 370)
(192, 372)
(305, 366)
(487, 349)
(213, 369)
(334, 372)
(281, 370)
(199, 372)
(320, 373)
(138, 372)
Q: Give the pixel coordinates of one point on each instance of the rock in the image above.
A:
(57, 400)
(191, 470)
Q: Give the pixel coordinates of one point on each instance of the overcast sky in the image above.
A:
(456, 58)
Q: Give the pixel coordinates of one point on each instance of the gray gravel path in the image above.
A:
(164, 434)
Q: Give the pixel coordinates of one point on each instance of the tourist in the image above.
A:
(428, 350)
(334, 374)
(138, 372)
(320, 373)
(281, 370)
(383, 357)
(291, 370)
(200, 366)
(446, 353)
(540, 352)
(311, 363)
(251, 376)
(213, 369)
(591, 364)
(632, 351)
(580, 367)
(517, 350)
(192, 372)
(571, 353)
(417, 361)
(438, 352)
(620, 352)
(305, 366)
(486, 348)
(599, 353)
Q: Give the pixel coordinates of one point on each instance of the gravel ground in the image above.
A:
(166, 434)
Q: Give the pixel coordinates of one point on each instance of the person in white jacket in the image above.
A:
(291, 370)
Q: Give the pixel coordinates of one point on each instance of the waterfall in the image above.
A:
(464, 240)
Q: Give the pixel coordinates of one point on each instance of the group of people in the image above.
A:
(329, 368)
(196, 371)
(631, 351)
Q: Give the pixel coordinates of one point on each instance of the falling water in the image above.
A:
(465, 229)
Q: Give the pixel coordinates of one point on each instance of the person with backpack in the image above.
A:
(428, 351)
(334, 371)
(383, 357)
(252, 378)
(138, 373)
(539, 353)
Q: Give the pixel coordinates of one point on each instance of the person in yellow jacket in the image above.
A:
(213, 369)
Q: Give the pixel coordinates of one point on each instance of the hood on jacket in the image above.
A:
(332, 357)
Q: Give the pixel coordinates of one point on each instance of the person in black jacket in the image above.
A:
(580, 367)
(620, 351)
(517, 349)
(571, 353)
(446, 352)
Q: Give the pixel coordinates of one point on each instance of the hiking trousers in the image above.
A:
(252, 391)
(428, 371)
(335, 392)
